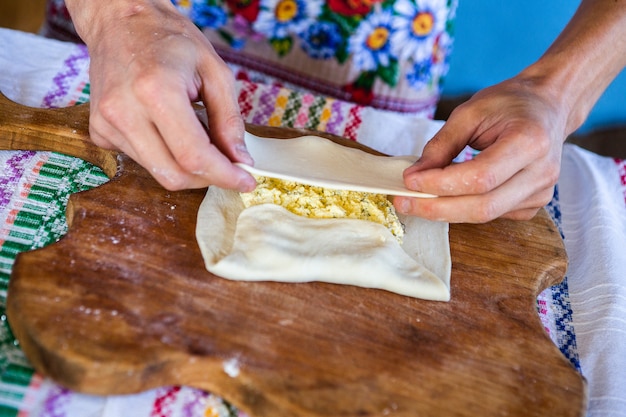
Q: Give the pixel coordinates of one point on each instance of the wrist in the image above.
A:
(95, 20)
(561, 88)
(583, 60)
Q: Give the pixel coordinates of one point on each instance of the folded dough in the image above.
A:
(268, 243)
(314, 160)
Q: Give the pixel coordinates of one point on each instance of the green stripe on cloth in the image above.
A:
(39, 221)
(315, 113)
(86, 92)
(15, 371)
(17, 374)
(291, 110)
(6, 411)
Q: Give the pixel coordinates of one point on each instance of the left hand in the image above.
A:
(519, 127)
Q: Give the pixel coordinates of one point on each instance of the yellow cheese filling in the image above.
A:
(324, 203)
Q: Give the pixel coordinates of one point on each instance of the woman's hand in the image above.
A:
(148, 64)
(520, 125)
(519, 129)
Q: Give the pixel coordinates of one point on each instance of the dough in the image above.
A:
(317, 161)
(268, 243)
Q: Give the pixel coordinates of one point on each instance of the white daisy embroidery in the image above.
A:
(417, 25)
(278, 19)
(370, 45)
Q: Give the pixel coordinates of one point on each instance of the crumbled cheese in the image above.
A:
(319, 202)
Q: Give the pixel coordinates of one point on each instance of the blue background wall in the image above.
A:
(496, 39)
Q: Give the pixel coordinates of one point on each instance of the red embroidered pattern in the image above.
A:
(246, 98)
(166, 397)
(354, 122)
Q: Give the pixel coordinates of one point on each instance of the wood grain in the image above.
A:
(123, 303)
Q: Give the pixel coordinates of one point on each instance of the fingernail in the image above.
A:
(413, 185)
(244, 154)
(247, 183)
(404, 206)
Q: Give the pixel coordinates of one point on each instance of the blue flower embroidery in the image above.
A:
(208, 16)
(321, 40)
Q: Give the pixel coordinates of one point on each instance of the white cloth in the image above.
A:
(594, 225)
(28, 64)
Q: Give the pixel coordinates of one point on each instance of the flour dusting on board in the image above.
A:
(231, 367)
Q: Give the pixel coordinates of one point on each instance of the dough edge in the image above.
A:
(268, 243)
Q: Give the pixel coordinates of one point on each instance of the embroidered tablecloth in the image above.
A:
(585, 316)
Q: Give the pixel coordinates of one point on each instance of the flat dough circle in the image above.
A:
(268, 243)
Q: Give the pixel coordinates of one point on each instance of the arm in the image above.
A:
(520, 126)
(148, 63)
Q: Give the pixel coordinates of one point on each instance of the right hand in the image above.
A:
(148, 64)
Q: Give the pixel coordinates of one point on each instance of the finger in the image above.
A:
(446, 144)
(147, 149)
(513, 196)
(226, 125)
(187, 141)
(525, 214)
(133, 134)
(487, 171)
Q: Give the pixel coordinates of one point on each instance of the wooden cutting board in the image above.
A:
(123, 304)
